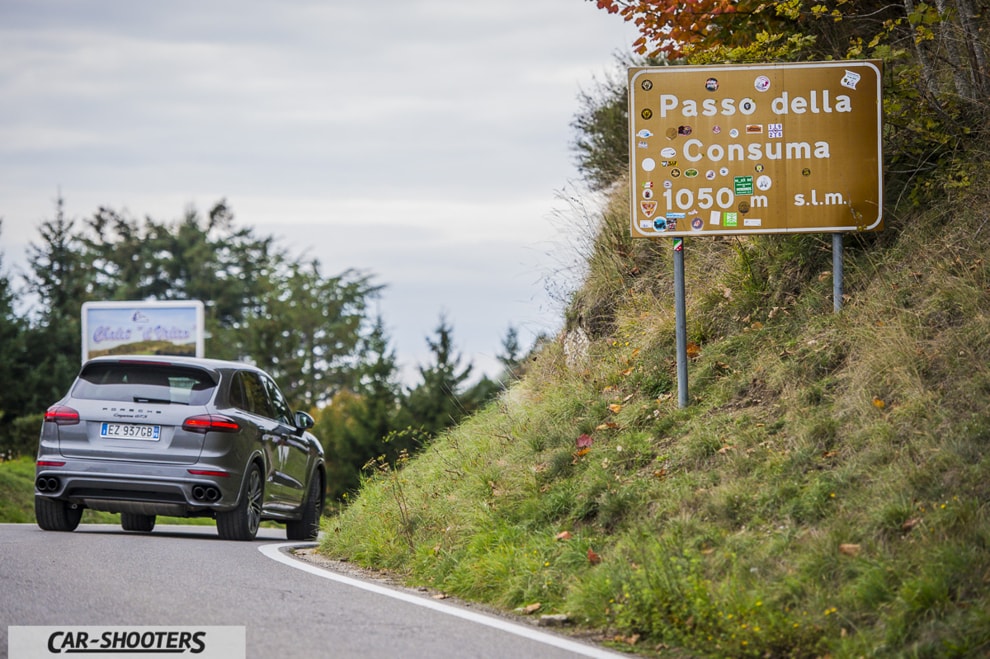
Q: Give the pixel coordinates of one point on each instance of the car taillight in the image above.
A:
(205, 423)
(208, 472)
(50, 463)
(61, 415)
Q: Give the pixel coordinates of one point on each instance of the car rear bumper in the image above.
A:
(148, 489)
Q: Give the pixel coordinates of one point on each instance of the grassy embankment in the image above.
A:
(17, 491)
(825, 492)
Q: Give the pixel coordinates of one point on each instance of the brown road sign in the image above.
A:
(768, 148)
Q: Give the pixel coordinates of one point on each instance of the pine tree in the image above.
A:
(12, 364)
(435, 404)
(358, 427)
(60, 278)
(511, 356)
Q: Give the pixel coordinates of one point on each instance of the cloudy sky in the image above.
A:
(426, 142)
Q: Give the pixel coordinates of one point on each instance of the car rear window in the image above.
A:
(144, 383)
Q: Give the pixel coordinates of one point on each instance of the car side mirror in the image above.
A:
(304, 421)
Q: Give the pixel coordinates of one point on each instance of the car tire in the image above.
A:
(55, 515)
(307, 527)
(242, 522)
(137, 522)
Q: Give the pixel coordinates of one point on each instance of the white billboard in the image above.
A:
(143, 328)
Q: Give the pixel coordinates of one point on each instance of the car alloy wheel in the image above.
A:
(242, 522)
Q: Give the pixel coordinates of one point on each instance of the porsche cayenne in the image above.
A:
(179, 437)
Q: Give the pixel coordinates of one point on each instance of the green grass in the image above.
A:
(826, 492)
(17, 491)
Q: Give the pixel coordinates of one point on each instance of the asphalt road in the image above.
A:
(186, 576)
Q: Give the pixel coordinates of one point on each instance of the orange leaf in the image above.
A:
(849, 549)
(593, 557)
(532, 608)
(693, 350)
(615, 408)
(879, 403)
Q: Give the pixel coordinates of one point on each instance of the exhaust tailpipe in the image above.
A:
(207, 493)
(47, 484)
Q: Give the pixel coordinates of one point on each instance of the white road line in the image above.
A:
(275, 552)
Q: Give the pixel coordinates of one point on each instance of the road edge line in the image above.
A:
(277, 552)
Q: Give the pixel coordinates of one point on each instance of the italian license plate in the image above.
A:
(130, 431)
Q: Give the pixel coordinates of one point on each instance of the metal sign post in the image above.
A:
(680, 323)
(837, 272)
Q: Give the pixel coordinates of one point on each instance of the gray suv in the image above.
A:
(182, 437)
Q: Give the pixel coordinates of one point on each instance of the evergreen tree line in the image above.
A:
(313, 332)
